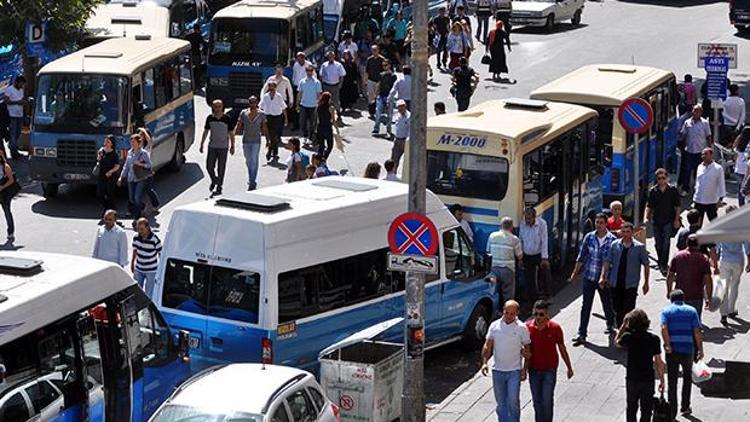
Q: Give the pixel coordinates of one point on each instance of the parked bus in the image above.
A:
(502, 156)
(280, 274)
(81, 342)
(249, 38)
(157, 18)
(112, 87)
(604, 87)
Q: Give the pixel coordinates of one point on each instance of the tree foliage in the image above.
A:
(66, 20)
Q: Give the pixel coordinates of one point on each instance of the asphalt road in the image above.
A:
(661, 33)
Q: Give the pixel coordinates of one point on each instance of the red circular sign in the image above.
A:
(636, 115)
(412, 234)
(346, 402)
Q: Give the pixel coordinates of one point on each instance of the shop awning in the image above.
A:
(732, 227)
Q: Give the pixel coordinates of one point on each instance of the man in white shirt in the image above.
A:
(696, 135)
(508, 341)
(274, 107)
(15, 98)
(332, 73)
(402, 87)
(505, 249)
(458, 212)
(283, 85)
(710, 187)
(298, 73)
(111, 242)
(733, 112)
(534, 239)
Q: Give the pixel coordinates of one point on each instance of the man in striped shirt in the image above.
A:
(505, 248)
(146, 250)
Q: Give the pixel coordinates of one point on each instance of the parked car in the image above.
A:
(546, 13)
(249, 392)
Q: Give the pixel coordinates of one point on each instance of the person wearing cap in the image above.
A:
(274, 107)
(402, 123)
(332, 73)
(683, 344)
(690, 271)
(308, 95)
(534, 240)
(505, 248)
(348, 45)
(710, 187)
(251, 125)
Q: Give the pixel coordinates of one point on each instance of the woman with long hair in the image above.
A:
(495, 45)
(349, 92)
(149, 189)
(109, 167)
(457, 44)
(372, 171)
(326, 124)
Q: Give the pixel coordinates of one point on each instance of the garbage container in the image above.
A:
(363, 376)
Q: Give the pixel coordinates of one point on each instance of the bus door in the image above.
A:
(91, 359)
(155, 366)
(569, 209)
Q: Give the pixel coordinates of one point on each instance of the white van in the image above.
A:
(279, 274)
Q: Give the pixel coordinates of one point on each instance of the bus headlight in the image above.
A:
(219, 81)
(51, 152)
(39, 152)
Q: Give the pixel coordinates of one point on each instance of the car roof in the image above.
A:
(239, 387)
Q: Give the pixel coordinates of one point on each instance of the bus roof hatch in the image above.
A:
(254, 202)
(20, 266)
(524, 103)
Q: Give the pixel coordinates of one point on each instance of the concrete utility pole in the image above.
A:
(412, 404)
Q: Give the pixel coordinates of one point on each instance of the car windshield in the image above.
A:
(81, 103)
(177, 413)
(249, 42)
(467, 175)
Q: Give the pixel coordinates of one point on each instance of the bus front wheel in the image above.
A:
(476, 329)
(50, 189)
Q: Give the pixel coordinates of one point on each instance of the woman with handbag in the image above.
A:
(9, 188)
(106, 169)
(498, 62)
(136, 171)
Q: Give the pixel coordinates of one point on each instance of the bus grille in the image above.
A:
(76, 153)
(243, 85)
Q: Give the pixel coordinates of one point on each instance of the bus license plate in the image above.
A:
(195, 342)
(76, 176)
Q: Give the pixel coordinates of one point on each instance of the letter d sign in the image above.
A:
(36, 32)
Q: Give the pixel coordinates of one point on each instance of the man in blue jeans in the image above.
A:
(251, 125)
(663, 209)
(546, 340)
(508, 340)
(594, 250)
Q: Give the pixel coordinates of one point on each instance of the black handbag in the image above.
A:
(661, 409)
(486, 59)
(11, 191)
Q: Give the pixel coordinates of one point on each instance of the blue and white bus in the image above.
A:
(604, 87)
(249, 38)
(80, 342)
(280, 274)
(112, 87)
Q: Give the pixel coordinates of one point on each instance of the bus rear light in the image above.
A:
(266, 353)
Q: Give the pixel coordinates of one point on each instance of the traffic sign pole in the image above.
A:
(412, 407)
(636, 116)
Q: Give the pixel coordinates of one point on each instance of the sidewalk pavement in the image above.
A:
(597, 390)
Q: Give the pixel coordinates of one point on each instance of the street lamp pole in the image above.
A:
(413, 391)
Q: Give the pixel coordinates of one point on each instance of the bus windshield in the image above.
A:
(81, 103)
(249, 42)
(467, 175)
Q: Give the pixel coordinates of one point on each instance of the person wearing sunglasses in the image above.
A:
(547, 339)
(663, 211)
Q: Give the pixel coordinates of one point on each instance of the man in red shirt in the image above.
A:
(546, 339)
(690, 271)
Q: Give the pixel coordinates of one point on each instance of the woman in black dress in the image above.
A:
(326, 123)
(495, 41)
(109, 170)
(349, 92)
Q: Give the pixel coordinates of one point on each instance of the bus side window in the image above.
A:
(149, 92)
(173, 79)
(161, 84)
(153, 338)
(186, 75)
(595, 151)
(531, 173)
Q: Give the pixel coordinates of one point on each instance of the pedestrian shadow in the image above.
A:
(79, 201)
(277, 165)
(718, 335)
(610, 351)
(557, 29)
(9, 246)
